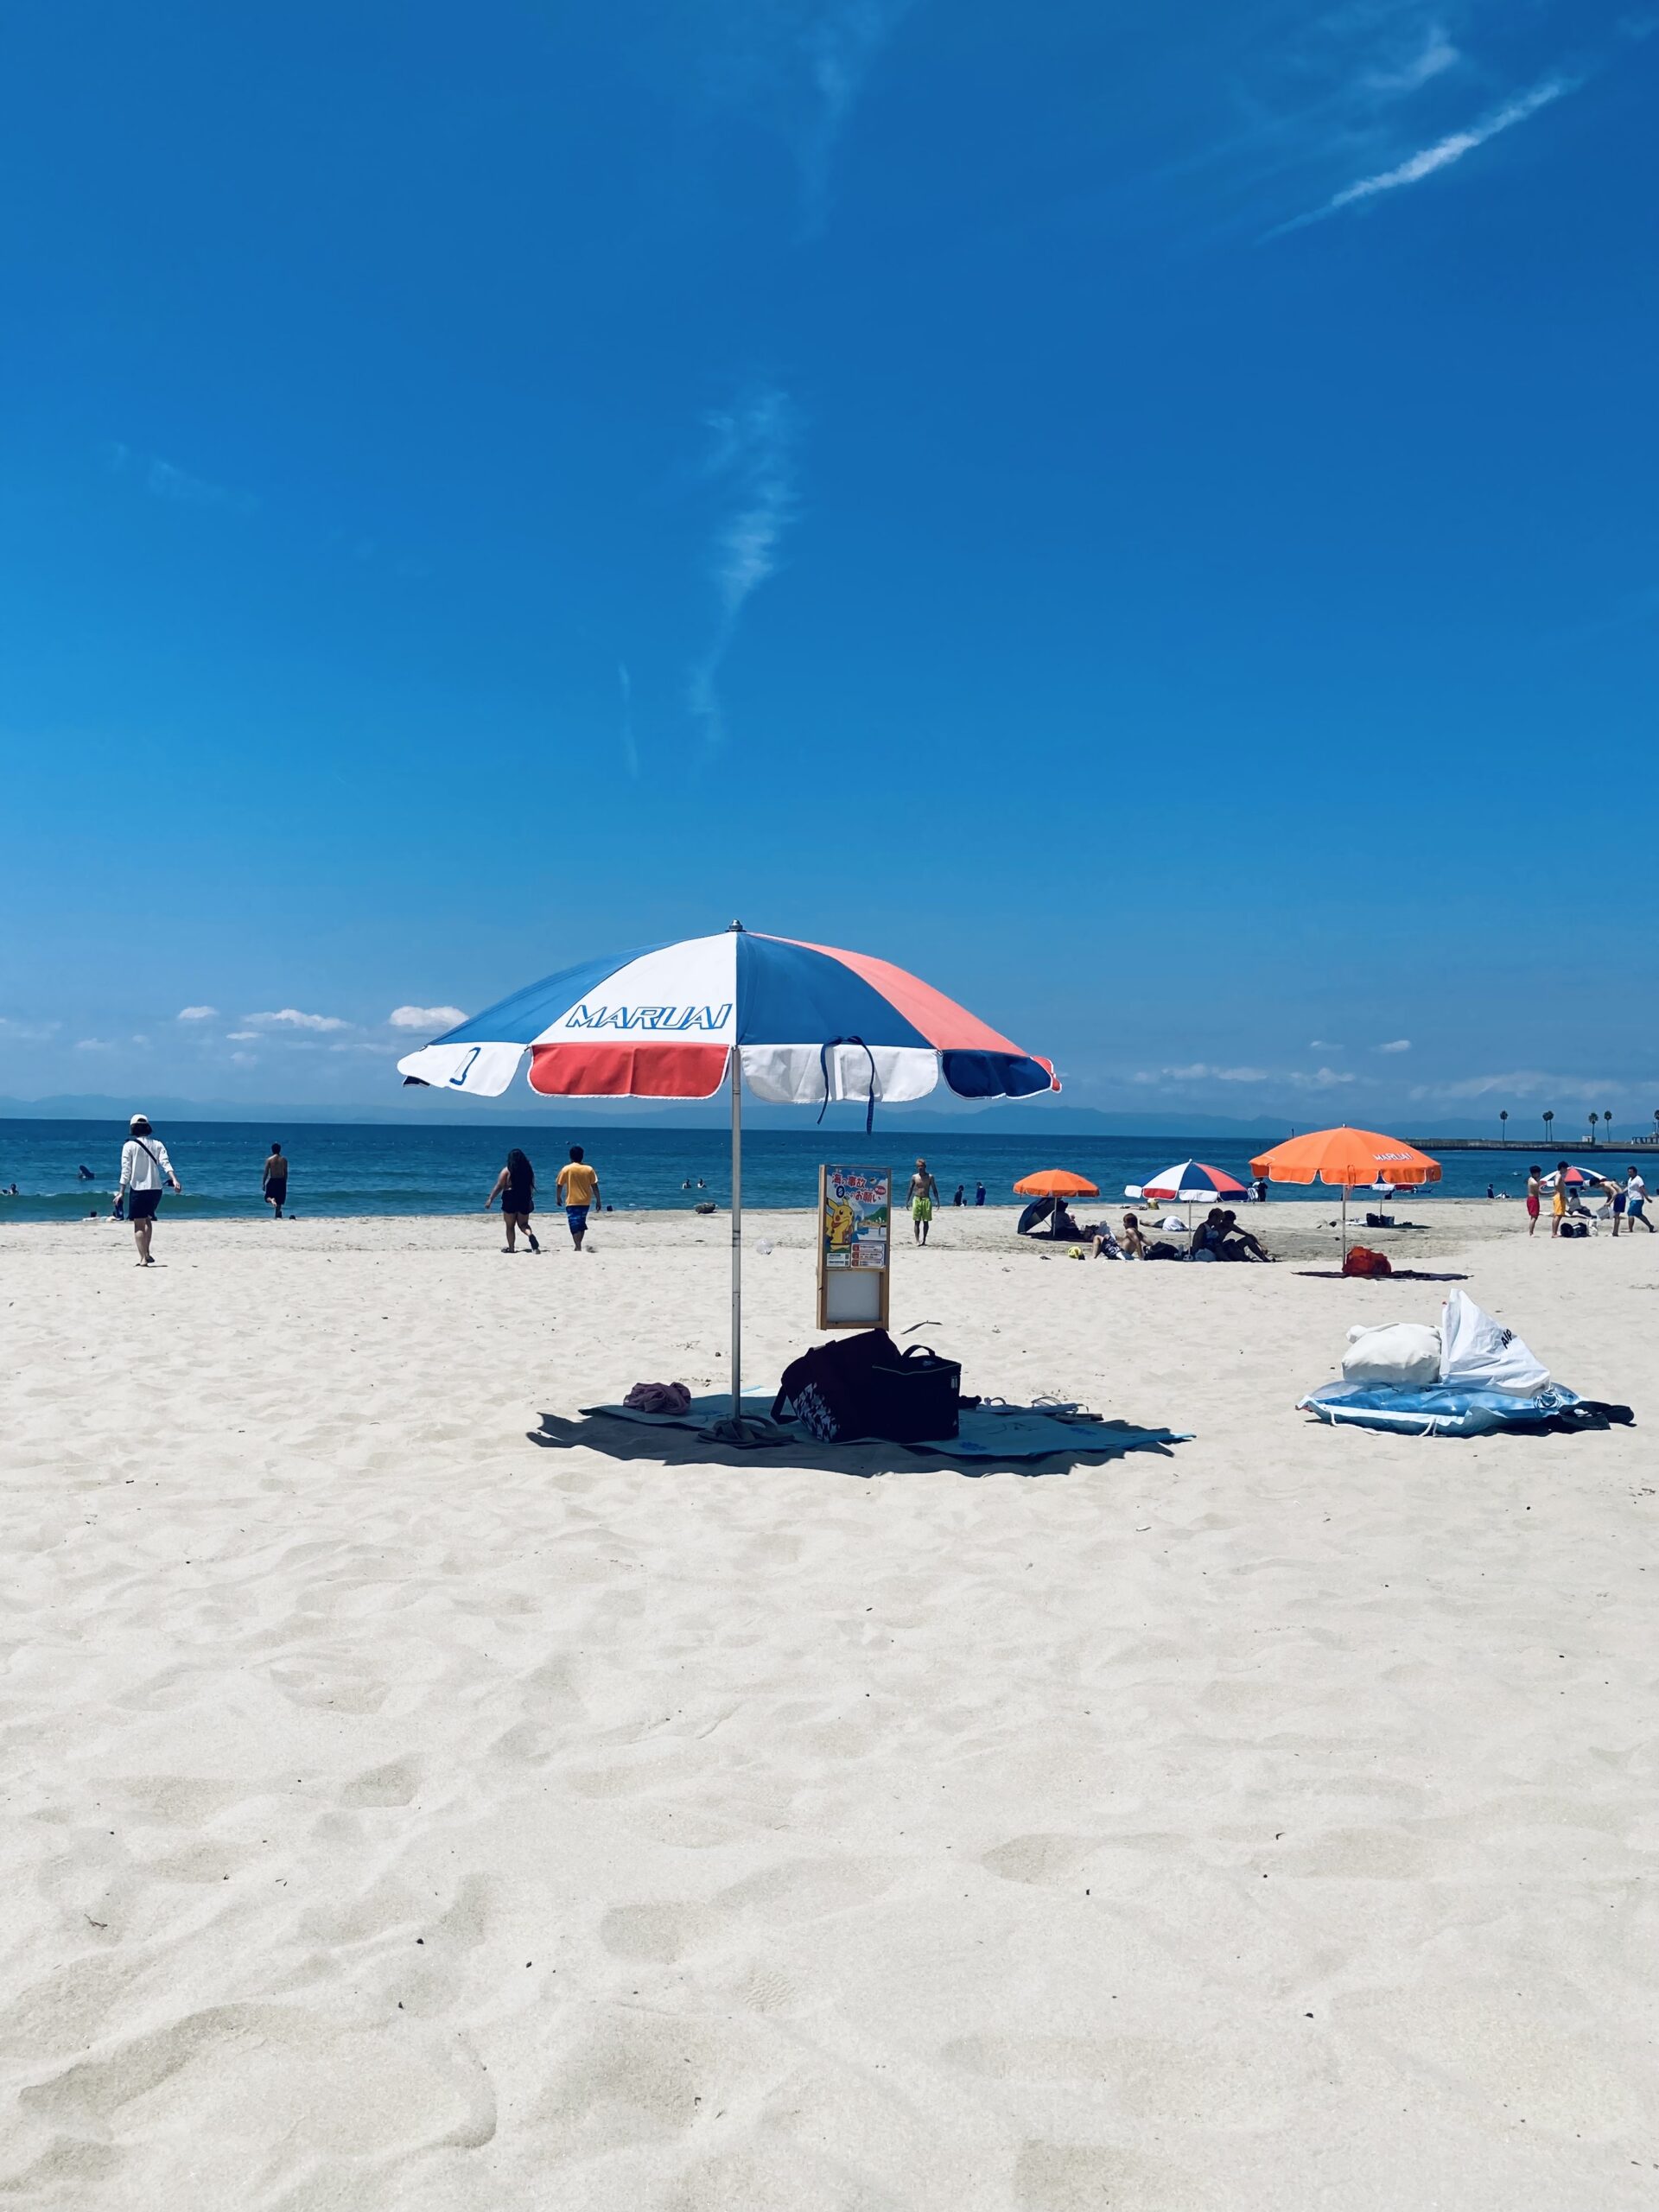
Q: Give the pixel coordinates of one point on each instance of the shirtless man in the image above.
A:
(923, 1196)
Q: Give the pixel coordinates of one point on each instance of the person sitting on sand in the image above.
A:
(1206, 1238)
(1237, 1243)
(1134, 1243)
(143, 1165)
(578, 1187)
(516, 1188)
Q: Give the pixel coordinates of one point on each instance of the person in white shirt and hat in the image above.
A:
(144, 1165)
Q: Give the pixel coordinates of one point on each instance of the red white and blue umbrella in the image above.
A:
(1189, 1180)
(799, 1024)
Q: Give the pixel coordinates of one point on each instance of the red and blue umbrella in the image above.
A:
(795, 1024)
(1189, 1180)
(809, 1023)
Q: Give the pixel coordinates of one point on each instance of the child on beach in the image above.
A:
(1534, 1205)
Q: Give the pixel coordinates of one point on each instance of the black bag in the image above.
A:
(830, 1387)
(918, 1396)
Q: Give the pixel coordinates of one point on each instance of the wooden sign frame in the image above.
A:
(854, 1226)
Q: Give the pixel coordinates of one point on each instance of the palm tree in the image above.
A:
(1550, 1116)
(1594, 1118)
(1502, 1116)
(1607, 1125)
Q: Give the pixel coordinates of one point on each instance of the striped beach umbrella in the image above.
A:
(793, 1023)
(1189, 1181)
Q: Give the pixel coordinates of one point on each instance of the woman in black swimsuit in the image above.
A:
(516, 1188)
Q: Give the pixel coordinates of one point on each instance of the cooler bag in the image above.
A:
(918, 1396)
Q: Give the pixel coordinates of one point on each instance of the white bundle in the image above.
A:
(1393, 1355)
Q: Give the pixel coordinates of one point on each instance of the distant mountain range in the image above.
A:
(1013, 1117)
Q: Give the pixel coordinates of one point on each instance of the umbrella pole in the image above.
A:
(737, 1231)
(1344, 1224)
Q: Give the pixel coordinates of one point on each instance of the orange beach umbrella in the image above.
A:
(1058, 1183)
(1349, 1157)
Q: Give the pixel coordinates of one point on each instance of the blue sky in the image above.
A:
(1145, 517)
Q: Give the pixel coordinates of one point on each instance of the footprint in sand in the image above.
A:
(1070, 2177)
(394, 1783)
(661, 1933)
(1046, 1859)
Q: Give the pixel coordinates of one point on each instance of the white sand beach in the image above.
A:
(404, 1812)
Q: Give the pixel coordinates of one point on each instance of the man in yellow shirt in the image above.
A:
(578, 1188)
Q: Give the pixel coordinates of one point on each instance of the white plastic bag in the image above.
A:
(1393, 1354)
(1479, 1353)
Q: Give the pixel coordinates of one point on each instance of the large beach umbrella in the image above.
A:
(1055, 1184)
(798, 1024)
(1189, 1182)
(1350, 1157)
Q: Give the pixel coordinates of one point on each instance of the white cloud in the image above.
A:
(1202, 1072)
(290, 1017)
(163, 481)
(436, 1017)
(1429, 159)
(752, 458)
(94, 1045)
(242, 1036)
(197, 1014)
(841, 45)
(28, 1032)
(1398, 1045)
(244, 1059)
(1526, 1083)
(1435, 54)
(1322, 1044)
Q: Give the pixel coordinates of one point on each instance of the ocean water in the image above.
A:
(375, 1168)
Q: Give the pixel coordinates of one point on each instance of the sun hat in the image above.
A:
(139, 1121)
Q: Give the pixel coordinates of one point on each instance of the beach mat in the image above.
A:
(1021, 1433)
(1395, 1274)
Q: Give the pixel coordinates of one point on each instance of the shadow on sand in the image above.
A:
(689, 1447)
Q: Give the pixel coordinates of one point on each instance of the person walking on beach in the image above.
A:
(144, 1165)
(923, 1196)
(277, 1179)
(961, 1198)
(578, 1189)
(1534, 1197)
(1635, 1201)
(979, 1194)
(516, 1188)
